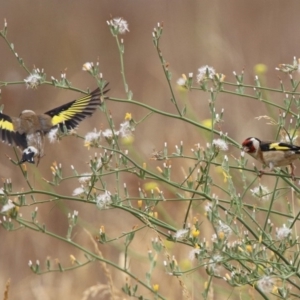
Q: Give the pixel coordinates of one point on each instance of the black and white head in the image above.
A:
(28, 155)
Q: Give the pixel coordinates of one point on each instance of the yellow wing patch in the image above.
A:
(276, 146)
(78, 107)
(6, 125)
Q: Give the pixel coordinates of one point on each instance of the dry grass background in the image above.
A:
(62, 35)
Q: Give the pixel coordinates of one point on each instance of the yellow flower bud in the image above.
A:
(128, 116)
(195, 233)
(260, 69)
(72, 258)
(150, 186)
(221, 235)
(249, 248)
(159, 169)
(102, 229)
(155, 287)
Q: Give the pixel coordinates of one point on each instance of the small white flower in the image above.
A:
(193, 253)
(99, 163)
(107, 133)
(125, 129)
(7, 206)
(181, 233)
(208, 207)
(87, 66)
(120, 25)
(217, 258)
(33, 80)
(92, 139)
(261, 192)
(221, 144)
(282, 232)
(202, 73)
(214, 264)
(104, 200)
(214, 238)
(78, 191)
(85, 178)
(181, 81)
(224, 228)
(266, 284)
(52, 135)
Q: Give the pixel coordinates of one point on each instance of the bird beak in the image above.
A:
(245, 149)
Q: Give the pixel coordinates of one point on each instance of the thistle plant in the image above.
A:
(235, 228)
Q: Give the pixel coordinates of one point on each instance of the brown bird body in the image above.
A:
(29, 129)
(28, 122)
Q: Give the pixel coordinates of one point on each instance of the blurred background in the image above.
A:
(60, 36)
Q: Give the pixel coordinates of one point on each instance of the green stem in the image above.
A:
(91, 254)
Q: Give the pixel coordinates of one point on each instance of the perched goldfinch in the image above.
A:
(272, 154)
(29, 129)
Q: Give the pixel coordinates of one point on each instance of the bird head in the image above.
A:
(251, 145)
(28, 155)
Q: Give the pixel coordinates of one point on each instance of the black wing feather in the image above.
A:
(265, 146)
(8, 133)
(72, 113)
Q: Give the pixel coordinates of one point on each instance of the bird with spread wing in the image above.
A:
(29, 129)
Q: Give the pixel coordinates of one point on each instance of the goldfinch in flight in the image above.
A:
(29, 129)
(272, 154)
